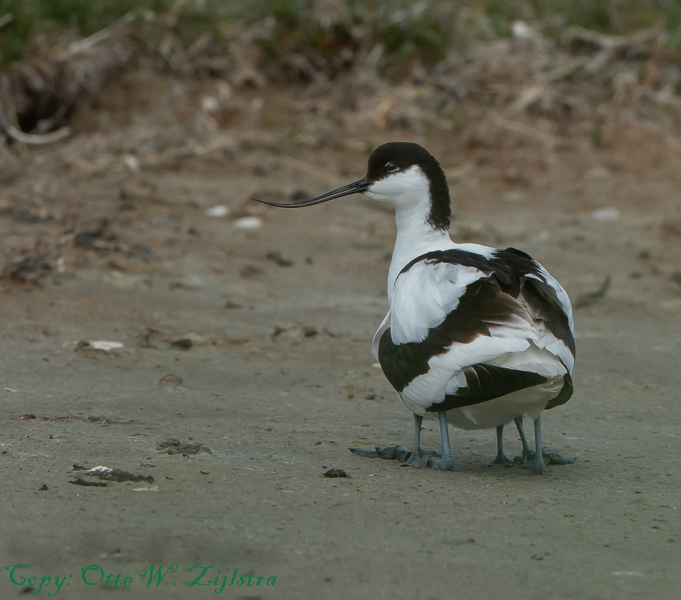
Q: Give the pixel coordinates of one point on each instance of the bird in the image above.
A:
(480, 336)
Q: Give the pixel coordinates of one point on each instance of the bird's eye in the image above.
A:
(390, 167)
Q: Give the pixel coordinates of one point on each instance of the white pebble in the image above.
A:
(606, 214)
(132, 162)
(106, 346)
(218, 211)
(248, 223)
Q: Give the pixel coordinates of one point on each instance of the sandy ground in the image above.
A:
(277, 411)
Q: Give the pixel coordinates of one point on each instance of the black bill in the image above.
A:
(353, 188)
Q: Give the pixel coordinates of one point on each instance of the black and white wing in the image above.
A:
(466, 327)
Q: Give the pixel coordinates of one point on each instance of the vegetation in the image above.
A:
(406, 28)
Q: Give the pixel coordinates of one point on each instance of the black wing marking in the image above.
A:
(510, 268)
(549, 310)
(487, 382)
(482, 305)
(565, 393)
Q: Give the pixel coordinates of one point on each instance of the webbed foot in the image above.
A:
(551, 457)
(400, 453)
(420, 459)
(501, 460)
(444, 464)
(525, 459)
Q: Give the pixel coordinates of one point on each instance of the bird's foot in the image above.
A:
(389, 453)
(444, 464)
(538, 465)
(551, 457)
(525, 459)
(502, 460)
(419, 458)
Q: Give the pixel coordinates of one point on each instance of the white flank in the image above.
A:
(425, 295)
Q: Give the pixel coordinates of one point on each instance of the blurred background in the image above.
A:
(305, 68)
(505, 89)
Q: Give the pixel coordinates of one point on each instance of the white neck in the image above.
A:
(414, 237)
(409, 193)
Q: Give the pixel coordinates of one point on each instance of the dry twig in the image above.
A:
(6, 18)
(96, 38)
(522, 128)
(31, 138)
(306, 167)
(589, 298)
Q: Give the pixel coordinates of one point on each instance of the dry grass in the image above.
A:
(427, 66)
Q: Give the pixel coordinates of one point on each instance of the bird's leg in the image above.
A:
(445, 463)
(418, 421)
(528, 454)
(501, 458)
(538, 464)
(418, 457)
(529, 457)
(551, 457)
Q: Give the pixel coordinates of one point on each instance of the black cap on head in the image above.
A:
(395, 157)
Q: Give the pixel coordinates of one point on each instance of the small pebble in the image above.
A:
(606, 214)
(218, 211)
(184, 343)
(336, 473)
(248, 223)
(171, 381)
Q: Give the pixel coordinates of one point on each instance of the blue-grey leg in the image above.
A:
(445, 463)
(501, 458)
(538, 464)
(529, 457)
(528, 454)
(418, 421)
(418, 458)
(409, 458)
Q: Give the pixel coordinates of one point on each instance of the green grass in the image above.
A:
(37, 23)
(427, 34)
(605, 16)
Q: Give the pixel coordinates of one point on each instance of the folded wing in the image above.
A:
(473, 328)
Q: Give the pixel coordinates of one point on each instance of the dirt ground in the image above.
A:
(279, 382)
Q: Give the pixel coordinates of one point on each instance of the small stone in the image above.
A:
(336, 473)
(276, 256)
(248, 223)
(606, 214)
(171, 381)
(218, 211)
(183, 343)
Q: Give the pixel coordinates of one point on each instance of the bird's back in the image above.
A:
(468, 327)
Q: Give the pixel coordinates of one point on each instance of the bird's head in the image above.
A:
(402, 173)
